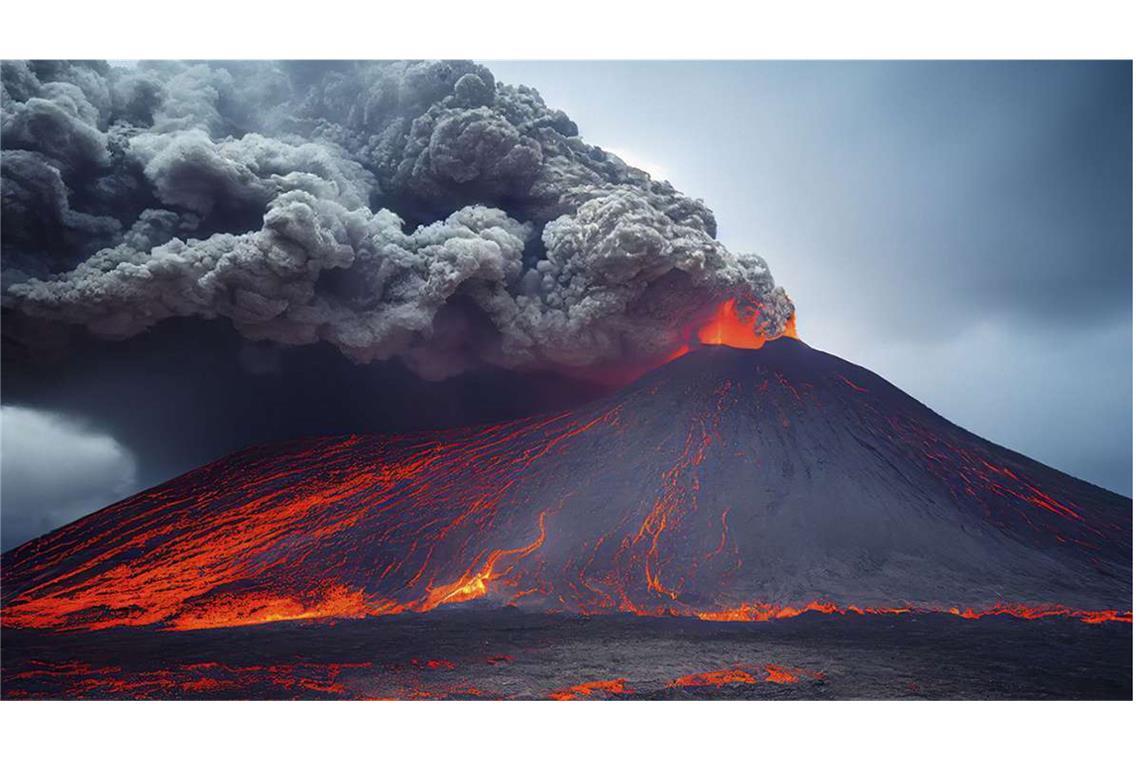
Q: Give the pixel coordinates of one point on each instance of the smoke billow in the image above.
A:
(418, 210)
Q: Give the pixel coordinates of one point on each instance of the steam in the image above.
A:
(415, 210)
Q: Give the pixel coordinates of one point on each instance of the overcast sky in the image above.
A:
(962, 229)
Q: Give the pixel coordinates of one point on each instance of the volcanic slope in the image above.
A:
(728, 484)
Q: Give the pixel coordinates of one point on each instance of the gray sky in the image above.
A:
(54, 471)
(963, 229)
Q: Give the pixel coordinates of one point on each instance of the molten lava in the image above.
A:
(589, 689)
(716, 678)
(474, 585)
(785, 675)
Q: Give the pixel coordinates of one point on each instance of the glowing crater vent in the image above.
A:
(737, 324)
(740, 324)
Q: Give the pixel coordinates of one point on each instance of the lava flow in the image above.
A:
(785, 675)
(592, 688)
(729, 485)
(716, 678)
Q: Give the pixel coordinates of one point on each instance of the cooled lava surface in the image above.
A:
(726, 485)
(462, 653)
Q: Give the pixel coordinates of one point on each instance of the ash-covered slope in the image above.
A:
(728, 484)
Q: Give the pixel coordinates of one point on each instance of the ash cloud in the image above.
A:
(418, 210)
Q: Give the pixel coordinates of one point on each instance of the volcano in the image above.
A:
(726, 485)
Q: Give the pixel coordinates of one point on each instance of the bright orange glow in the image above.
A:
(716, 678)
(726, 328)
(773, 674)
(776, 674)
(780, 674)
(588, 689)
(729, 328)
(338, 601)
(474, 585)
(790, 328)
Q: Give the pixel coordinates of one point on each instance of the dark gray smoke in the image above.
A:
(415, 210)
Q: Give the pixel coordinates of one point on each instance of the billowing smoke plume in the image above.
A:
(418, 210)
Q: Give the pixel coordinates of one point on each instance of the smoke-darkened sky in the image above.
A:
(963, 229)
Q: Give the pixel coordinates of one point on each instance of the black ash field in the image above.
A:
(506, 654)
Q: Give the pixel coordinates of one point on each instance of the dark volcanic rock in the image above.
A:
(500, 654)
(728, 484)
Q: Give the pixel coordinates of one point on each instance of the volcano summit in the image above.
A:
(726, 485)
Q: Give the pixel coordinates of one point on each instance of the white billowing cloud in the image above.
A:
(635, 158)
(53, 471)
